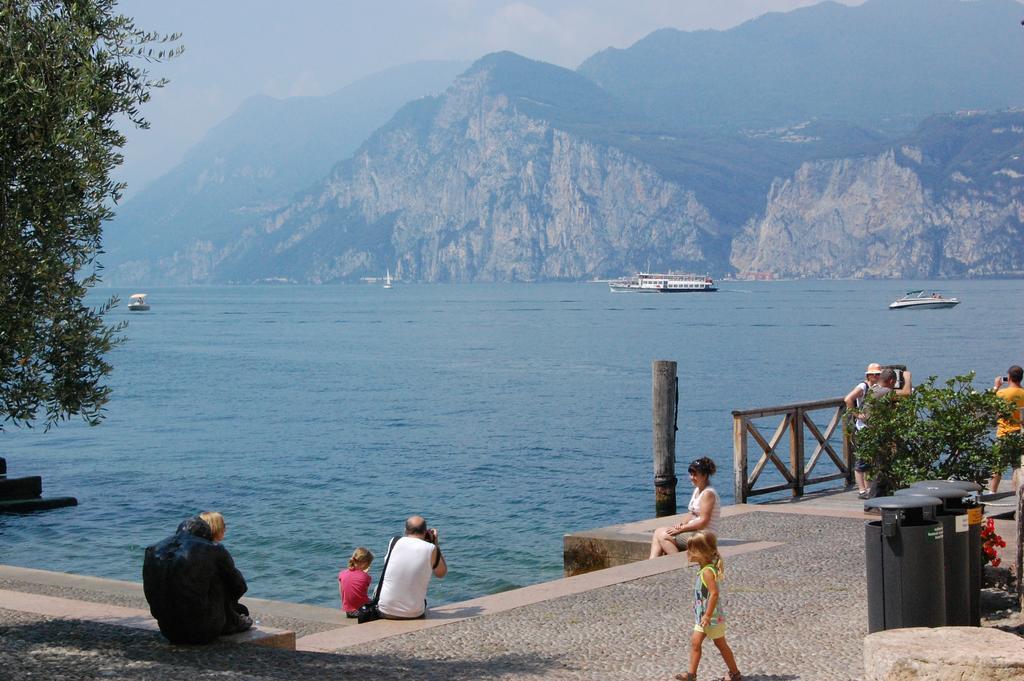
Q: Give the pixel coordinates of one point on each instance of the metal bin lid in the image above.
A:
(966, 484)
(903, 502)
(940, 491)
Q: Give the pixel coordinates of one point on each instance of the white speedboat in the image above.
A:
(646, 282)
(137, 302)
(921, 299)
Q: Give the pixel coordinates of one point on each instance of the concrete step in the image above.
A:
(21, 488)
(66, 608)
(120, 590)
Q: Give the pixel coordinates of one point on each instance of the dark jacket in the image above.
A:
(191, 584)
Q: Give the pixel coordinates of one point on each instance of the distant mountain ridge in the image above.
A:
(884, 63)
(250, 165)
(467, 187)
(524, 171)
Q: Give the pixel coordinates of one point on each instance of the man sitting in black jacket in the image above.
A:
(193, 586)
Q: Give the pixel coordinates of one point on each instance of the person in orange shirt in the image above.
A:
(1010, 391)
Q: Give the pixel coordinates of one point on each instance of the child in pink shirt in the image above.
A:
(354, 582)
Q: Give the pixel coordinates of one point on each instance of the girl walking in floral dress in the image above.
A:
(702, 549)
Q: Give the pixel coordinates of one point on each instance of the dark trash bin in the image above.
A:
(903, 551)
(955, 551)
(974, 510)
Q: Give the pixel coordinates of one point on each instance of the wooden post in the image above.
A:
(663, 399)
(1020, 542)
(847, 446)
(796, 450)
(739, 457)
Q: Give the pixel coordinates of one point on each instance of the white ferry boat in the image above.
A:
(646, 282)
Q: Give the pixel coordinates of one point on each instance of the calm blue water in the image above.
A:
(317, 418)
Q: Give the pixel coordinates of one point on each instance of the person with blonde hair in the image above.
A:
(354, 582)
(219, 528)
(702, 549)
(217, 525)
(193, 587)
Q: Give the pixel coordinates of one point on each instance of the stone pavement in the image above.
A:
(795, 611)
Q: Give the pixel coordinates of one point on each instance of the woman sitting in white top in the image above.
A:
(705, 511)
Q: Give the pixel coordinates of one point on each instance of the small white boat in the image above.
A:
(137, 302)
(921, 299)
(646, 282)
(387, 279)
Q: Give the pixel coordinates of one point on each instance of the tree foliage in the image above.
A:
(69, 71)
(936, 432)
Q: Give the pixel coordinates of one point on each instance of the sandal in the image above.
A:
(685, 676)
(733, 676)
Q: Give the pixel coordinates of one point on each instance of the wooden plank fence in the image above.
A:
(799, 471)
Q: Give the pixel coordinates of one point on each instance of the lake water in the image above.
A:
(317, 418)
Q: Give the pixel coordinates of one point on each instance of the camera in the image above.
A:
(1006, 379)
(431, 535)
(899, 369)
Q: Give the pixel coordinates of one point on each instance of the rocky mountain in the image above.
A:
(886, 64)
(707, 151)
(519, 171)
(946, 201)
(250, 166)
(476, 186)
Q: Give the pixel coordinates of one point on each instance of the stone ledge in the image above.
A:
(584, 552)
(263, 636)
(943, 654)
(124, 589)
(133, 618)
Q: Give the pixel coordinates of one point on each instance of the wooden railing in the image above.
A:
(799, 473)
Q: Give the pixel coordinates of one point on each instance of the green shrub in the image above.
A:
(936, 432)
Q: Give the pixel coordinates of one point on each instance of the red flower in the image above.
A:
(990, 540)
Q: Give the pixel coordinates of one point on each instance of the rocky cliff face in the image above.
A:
(466, 187)
(247, 168)
(948, 206)
(523, 171)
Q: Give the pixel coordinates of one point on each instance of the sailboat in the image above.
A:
(387, 279)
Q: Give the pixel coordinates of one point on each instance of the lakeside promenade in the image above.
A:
(795, 603)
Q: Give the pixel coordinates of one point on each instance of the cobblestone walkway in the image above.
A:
(795, 612)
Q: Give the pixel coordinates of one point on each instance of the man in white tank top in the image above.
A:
(412, 561)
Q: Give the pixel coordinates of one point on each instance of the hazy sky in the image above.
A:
(238, 48)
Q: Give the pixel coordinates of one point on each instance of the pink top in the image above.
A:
(354, 585)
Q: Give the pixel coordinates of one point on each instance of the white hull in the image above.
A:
(137, 302)
(921, 299)
(921, 304)
(645, 282)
